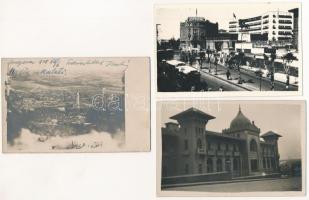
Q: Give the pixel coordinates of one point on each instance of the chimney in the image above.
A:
(253, 122)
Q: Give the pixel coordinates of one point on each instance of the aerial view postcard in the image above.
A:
(70, 104)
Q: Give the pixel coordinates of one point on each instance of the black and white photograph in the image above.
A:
(67, 104)
(217, 47)
(230, 147)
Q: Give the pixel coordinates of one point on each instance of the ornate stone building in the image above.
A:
(194, 31)
(189, 148)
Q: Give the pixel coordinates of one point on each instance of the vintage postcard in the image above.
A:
(75, 104)
(239, 49)
(231, 148)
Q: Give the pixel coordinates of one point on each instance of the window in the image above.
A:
(199, 143)
(254, 165)
(219, 146)
(253, 145)
(235, 164)
(227, 147)
(208, 146)
(186, 145)
(219, 165)
(209, 165)
(264, 163)
(234, 147)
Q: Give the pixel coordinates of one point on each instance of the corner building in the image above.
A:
(188, 148)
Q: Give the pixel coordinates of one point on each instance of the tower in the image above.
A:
(272, 138)
(77, 101)
(192, 140)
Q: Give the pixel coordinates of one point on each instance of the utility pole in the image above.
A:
(157, 33)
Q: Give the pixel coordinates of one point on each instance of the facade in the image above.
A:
(189, 148)
(295, 12)
(194, 31)
(277, 25)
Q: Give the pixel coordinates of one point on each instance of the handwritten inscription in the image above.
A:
(57, 66)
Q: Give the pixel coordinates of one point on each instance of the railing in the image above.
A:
(285, 16)
(284, 22)
(285, 27)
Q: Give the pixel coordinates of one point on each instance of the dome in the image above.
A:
(240, 121)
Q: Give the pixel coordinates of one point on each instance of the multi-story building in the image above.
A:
(189, 148)
(277, 25)
(295, 12)
(194, 31)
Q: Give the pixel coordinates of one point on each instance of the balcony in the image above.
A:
(284, 22)
(201, 151)
(285, 16)
(211, 152)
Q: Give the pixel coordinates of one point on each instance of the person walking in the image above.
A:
(287, 81)
(228, 74)
(272, 80)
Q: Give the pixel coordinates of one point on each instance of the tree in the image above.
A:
(287, 60)
(240, 57)
(208, 52)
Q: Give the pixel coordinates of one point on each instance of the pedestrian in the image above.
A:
(287, 81)
(221, 89)
(228, 74)
(272, 88)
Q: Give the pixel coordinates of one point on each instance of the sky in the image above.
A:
(280, 117)
(170, 16)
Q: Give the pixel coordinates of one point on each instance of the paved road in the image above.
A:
(284, 184)
(252, 81)
(215, 83)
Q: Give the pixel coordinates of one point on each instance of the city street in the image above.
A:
(283, 184)
(252, 82)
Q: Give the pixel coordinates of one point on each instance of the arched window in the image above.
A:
(253, 145)
(219, 165)
(199, 143)
(209, 165)
(228, 165)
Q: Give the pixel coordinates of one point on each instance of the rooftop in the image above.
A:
(192, 112)
(270, 134)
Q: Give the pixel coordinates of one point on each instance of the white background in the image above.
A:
(37, 28)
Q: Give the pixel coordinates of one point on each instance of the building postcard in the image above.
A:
(231, 148)
(237, 49)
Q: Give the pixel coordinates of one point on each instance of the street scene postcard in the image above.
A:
(74, 105)
(238, 47)
(231, 148)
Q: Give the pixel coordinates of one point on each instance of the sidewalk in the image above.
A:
(250, 81)
(233, 180)
(222, 76)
